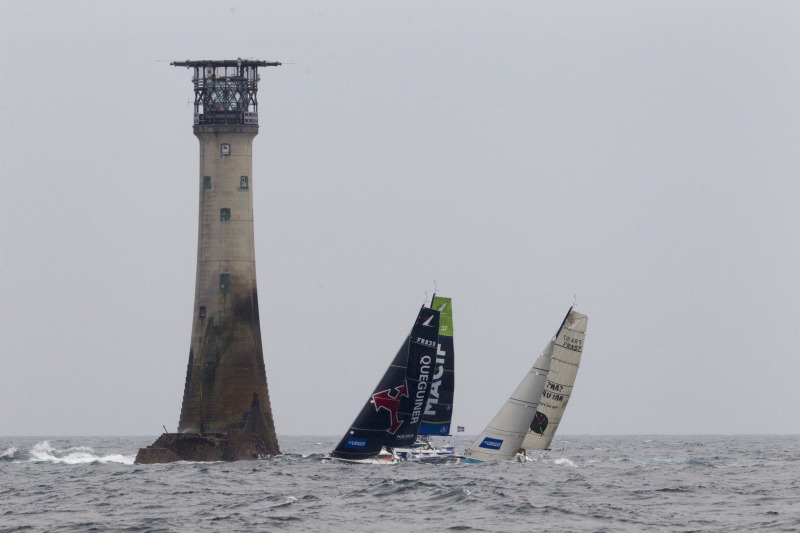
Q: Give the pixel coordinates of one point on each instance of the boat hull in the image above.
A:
(429, 454)
(370, 461)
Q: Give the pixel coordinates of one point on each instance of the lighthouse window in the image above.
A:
(243, 182)
(224, 282)
(202, 311)
(206, 182)
(225, 149)
(225, 213)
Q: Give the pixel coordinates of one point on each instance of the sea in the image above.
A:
(584, 483)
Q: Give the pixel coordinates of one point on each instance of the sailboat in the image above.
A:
(560, 380)
(393, 413)
(438, 413)
(503, 437)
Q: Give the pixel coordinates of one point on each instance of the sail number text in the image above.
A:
(572, 343)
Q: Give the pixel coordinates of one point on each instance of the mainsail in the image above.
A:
(439, 408)
(560, 380)
(503, 437)
(393, 414)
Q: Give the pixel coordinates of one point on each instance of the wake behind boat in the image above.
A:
(392, 416)
(503, 438)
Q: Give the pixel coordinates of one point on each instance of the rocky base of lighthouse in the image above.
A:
(171, 447)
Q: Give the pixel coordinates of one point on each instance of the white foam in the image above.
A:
(44, 452)
(9, 452)
(564, 462)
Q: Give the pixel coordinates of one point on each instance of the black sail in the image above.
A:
(393, 413)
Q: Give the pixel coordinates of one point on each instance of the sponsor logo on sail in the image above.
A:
(539, 423)
(355, 443)
(422, 387)
(433, 399)
(490, 443)
(384, 400)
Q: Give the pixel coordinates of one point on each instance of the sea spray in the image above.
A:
(44, 452)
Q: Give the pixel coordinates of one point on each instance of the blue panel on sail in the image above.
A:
(426, 428)
(492, 444)
(354, 443)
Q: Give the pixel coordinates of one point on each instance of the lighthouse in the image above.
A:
(226, 412)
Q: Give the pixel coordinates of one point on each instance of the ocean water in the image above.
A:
(586, 483)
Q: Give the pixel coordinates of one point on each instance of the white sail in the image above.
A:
(560, 380)
(503, 437)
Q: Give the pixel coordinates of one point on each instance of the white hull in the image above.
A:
(519, 458)
(428, 454)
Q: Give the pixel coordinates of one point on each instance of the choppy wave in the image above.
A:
(44, 452)
(9, 454)
(563, 461)
(592, 484)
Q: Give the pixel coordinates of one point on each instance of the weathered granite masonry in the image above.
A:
(226, 384)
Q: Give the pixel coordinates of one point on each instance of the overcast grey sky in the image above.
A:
(642, 156)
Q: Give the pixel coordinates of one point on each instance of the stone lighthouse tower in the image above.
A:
(226, 413)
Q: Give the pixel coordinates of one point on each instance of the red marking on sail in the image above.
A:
(383, 400)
